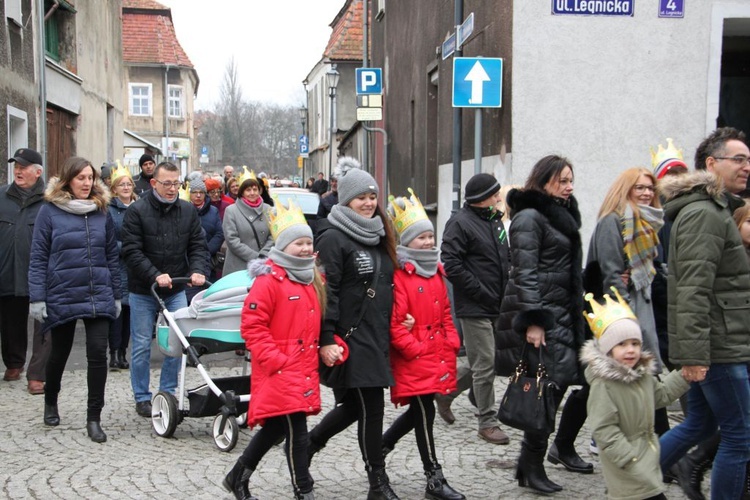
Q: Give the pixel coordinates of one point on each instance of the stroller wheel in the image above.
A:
(226, 440)
(164, 414)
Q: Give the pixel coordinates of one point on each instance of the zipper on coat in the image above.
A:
(91, 271)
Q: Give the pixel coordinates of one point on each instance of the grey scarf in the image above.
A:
(164, 200)
(299, 269)
(425, 261)
(361, 229)
(78, 207)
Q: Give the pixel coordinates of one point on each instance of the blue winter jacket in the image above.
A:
(117, 211)
(211, 223)
(74, 264)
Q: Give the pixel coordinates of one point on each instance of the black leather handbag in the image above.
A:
(529, 400)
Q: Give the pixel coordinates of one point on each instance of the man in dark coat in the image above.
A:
(320, 186)
(142, 181)
(475, 255)
(329, 199)
(162, 238)
(20, 202)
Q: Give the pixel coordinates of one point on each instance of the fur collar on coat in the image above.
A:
(604, 367)
(100, 194)
(673, 186)
(546, 205)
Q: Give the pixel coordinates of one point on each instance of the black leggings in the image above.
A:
(119, 331)
(365, 406)
(97, 331)
(294, 428)
(420, 416)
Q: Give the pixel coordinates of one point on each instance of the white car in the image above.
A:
(306, 200)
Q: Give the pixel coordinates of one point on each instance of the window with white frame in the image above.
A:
(140, 99)
(175, 102)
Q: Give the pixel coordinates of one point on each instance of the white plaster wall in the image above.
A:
(602, 90)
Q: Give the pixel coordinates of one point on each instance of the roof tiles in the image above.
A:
(345, 43)
(149, 37)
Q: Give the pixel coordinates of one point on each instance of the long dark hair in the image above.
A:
(387, 242)
(548, 168)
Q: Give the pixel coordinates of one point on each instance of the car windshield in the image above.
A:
(308, 202)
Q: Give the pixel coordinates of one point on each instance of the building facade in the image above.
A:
(161, 84)
(599, 87)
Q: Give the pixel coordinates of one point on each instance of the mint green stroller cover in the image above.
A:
(211, 323)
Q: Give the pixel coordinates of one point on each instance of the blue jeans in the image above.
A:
(143, 311)
(722, 400)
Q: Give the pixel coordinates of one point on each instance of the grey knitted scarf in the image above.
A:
(360, 229)
(299, 269)
(425, 261)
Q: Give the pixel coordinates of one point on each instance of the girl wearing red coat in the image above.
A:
(281, 327)
(423, 357)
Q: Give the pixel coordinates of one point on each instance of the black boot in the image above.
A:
(51, 417)
(563, 449)
(530, 471)
(312, 449)
(122, 361)
(691, 467)
(569, 459)
(438, 488)
(380, 486)
(113, 361)
(95, 432)
(238, 482)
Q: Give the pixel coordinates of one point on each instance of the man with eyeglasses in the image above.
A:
(162, 239)
(709, 308)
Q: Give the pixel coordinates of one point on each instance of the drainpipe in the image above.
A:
(41, 125)
(51, 9)
(365, 64)
(166, 111)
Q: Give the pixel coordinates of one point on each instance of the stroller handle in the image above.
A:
(177, 281)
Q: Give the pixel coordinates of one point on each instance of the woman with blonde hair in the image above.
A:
(624, 245)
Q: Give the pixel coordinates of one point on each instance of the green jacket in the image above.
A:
(709, 274)
(621, 408)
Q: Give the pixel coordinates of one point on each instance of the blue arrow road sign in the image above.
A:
(369, 81)
(304, 145)
(477, 82)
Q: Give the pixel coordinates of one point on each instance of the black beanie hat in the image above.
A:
(480, 187)
(144, 158)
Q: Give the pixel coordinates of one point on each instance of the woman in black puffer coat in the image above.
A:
(542, 306)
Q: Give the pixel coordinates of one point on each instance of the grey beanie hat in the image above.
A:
(619, 331)
(197, 185)
(353, 181)
(291, 233)
(414, 229)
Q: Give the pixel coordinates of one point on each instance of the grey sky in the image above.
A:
(274, 43)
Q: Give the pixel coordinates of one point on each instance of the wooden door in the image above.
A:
(61, 139)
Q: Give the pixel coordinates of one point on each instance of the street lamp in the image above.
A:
(332, 79)
(303, 118)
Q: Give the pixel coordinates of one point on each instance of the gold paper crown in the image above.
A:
(412, 212)
(604, 315)
(245, 175)
(119, 171)
(185, 192)
(665, 153)
(283, 218)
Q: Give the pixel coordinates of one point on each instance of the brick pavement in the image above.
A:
(61, 462)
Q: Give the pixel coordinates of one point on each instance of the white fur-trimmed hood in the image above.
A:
(604, 367)
(673, 186)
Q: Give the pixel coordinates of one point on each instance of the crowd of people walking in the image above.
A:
(368, 300)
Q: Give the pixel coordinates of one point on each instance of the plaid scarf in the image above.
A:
(641, 241)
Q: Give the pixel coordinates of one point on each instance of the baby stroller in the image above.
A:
(210, 324)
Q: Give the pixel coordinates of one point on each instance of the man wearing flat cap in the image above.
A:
(20, 202)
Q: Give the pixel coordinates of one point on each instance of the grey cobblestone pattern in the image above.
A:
(62, 463)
